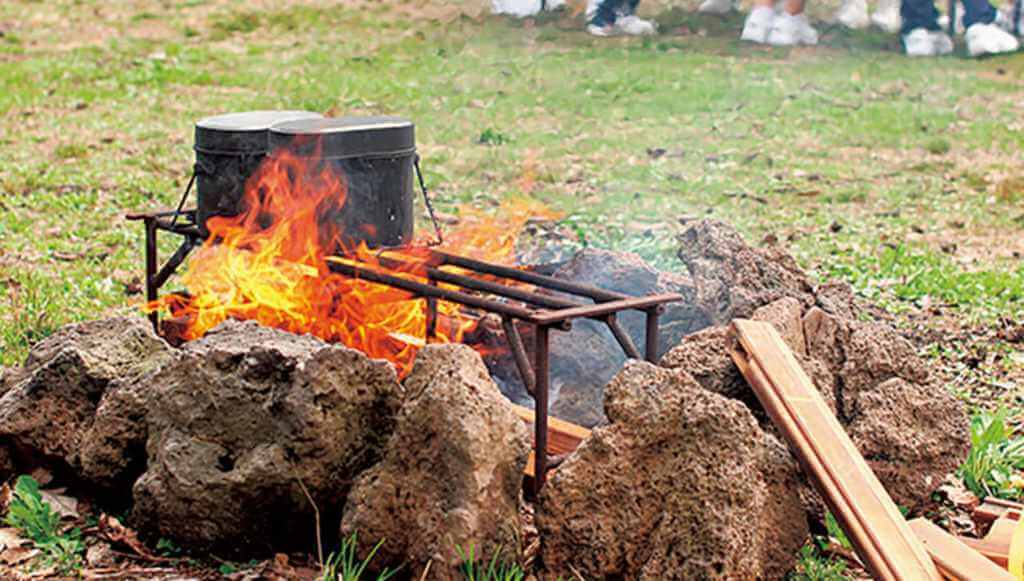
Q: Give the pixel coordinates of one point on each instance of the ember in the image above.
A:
(270, 264)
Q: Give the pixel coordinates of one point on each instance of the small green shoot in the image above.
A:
(996, 458)
(493, 570)
(813, 566)
(37, 520)
(835, 531)
(344, 565)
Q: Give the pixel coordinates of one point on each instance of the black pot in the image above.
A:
(376, 156)
(229, 148)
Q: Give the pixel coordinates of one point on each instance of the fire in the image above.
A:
(270, 264)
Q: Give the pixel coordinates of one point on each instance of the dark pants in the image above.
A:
(609, 10)
(922, 14)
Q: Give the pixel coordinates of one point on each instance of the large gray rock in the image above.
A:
(451, 475)
(49, 405)
(681, 484)
(586, 358)
(244, 420)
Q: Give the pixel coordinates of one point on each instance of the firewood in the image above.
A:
(864, 510)
(955, 560)
(563, 436)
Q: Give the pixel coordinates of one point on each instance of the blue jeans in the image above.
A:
(609, 10)
(922, 14)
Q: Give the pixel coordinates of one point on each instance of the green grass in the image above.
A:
(813, 566)
(994, 463)
(59, 547)
(345, 565)
(493, 569)
(622, 136)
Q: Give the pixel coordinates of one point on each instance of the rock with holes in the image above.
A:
(731, 278)
(49, 405)
(251, 430)
(452, 472)
(681, 484)
(912, 431)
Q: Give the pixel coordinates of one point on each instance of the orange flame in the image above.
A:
(270, 264)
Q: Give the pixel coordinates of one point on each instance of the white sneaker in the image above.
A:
(853, 14)
(716, 6)
(985, 39)
(596, 30)
(790, 29)
(634, 25)
(924, 42)
(758, 25)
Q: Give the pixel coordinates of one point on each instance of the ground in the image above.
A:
(902, 176)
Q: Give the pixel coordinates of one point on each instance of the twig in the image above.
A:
(426, 570)
(316, 512)
(577, 574)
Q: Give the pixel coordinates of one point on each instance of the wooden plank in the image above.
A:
(563, 437)
(810, 461)
(998, 555)
(955, 560)
(871, 519)
(993, 508)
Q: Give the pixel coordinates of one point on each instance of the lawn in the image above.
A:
(903, 177)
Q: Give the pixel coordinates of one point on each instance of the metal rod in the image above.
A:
(468, 282)
(431, 329)
(174, 262)
(550, 282)
(602, 309)
(151, 260)
(540, 398)
(426, 290)
(625, 341)
(515, 343)
(651, 340)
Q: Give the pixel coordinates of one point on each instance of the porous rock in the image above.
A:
(49, 406)
(246, 422)
(731, 278)
(681, 484)
(912, 431)
(451, 475)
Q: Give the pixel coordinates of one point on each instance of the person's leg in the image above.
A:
(919, 14)
(605, 14)
(978, 12)
(921, 33)
(982, 34)
(627, 22)
(759, 22)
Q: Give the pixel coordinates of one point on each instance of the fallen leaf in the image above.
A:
(65, 506)
(112, 530)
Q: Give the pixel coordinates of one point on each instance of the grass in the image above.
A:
(622, 136)
(813, 566)
(345, 565)
(495, 569)
(994, 463)
(34, 518)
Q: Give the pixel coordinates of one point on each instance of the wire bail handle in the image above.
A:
(427, 202)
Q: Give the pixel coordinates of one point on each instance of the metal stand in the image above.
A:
(528, 299)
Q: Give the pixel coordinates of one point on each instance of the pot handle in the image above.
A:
(197, 169)
(427, 202)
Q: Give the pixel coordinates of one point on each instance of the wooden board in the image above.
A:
(993, 508)
(871, 520)
(563, 436)
(955, 560)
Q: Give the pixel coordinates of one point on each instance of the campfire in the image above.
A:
(318, 240)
